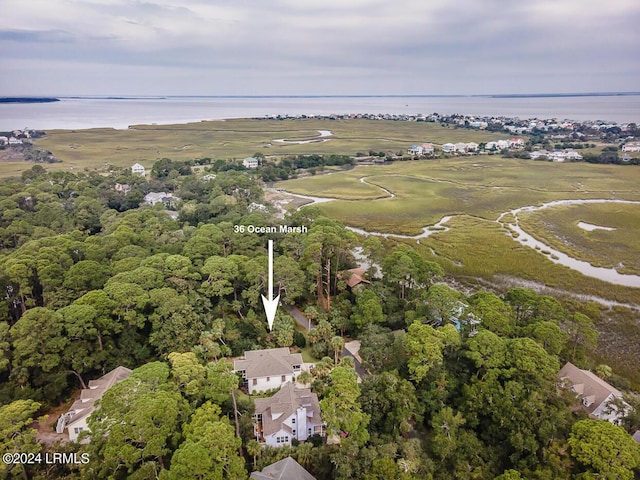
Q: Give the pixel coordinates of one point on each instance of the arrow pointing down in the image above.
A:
(270, 304)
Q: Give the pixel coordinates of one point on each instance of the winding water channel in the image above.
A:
(609, 275)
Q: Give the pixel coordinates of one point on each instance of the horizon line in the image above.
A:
(473, 95)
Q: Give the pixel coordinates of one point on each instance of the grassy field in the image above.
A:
(619, 248)
(237, 138)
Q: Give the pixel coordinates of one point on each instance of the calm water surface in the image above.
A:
(77, 113)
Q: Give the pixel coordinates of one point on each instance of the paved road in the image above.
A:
(298, 316)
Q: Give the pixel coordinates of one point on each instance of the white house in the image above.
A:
(138, 169)
(448, 148)
(290, 413)
(460, 147)
(251, 162)
(502, 144)
(631, 147)
(573, 155)
(427, 148)
(4, 140)
(535, 155)
(268, 369)
(168, 199)
(415, 150)
(75, 420)
(595, 394)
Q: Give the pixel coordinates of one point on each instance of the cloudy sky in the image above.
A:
(316, 47)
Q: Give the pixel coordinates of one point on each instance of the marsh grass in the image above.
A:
(237, 138)
(619, 248)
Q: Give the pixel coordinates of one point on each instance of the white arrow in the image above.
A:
(271, 304)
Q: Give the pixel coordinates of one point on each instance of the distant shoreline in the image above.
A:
(28, 99)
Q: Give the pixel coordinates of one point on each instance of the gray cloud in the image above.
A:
(319, 47)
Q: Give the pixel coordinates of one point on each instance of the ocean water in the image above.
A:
(94, 112)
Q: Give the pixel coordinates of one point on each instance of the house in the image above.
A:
(631, 147)
(460, 147)
(251, 162)
(472, 147)
(502, 145)
(14, 141)
(4, 140)
(285, 469)
(595, 394)
(516, 143)
(573, 156)
(448, 148)
(292, 413)
(354, 276)
(268, 369)
(636, 436)
(75, 420)
(138, 169)
(415, 150)
(168, 199)
(428, 148)
(538, 154)
(122, 187)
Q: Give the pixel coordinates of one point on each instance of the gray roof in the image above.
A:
(269, 362)
(588, 385)
(287, 401)
(285, 469)
(85, 405)
(636, 436)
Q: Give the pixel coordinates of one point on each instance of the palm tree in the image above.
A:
(305, 378)
(254, 449)
(337, 343)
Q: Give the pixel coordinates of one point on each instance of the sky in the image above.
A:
(318, 47)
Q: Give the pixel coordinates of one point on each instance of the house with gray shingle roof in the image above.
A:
(75, 420)
(292, 413)
(285, 469)
(595, 394)
(268, 369)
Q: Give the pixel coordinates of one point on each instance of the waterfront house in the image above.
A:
(415, 150)
(460, 147)
(427, 148)
(292, 413)
(138, 169)
(268, 369)
(448, 148)
(516, 144)
(251, 162)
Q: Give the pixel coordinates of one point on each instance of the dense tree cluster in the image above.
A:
(456, 385)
